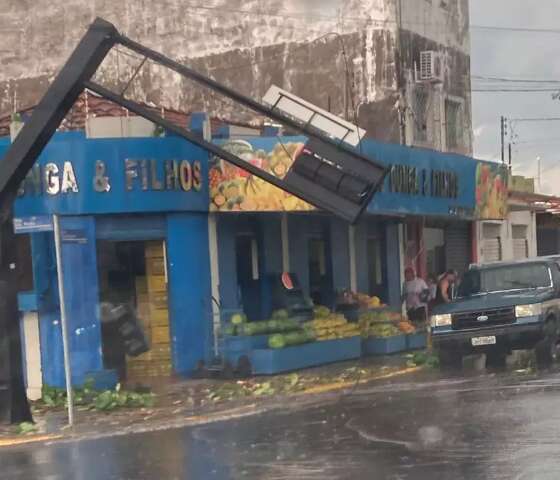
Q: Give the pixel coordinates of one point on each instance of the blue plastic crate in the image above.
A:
(384, 346)
(103, 379)
(416, 341)
(270, 361)
(237, 346)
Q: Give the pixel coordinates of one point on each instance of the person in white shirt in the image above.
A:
(415, 293)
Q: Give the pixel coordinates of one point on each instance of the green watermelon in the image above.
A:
(238, 318)
(321, 312)
(276, 341)
(280, 314)
(230, 330)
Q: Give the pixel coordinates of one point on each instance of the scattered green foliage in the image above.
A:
(105, 400)
(423, 358)
(26, 427)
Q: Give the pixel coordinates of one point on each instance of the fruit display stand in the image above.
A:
(282, 343)
(384, 345)
(234, 347)
(271, 361)
(384, 332)
(416, 341)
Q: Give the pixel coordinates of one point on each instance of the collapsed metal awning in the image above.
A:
(326, 173)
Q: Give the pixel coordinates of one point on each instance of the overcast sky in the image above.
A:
(518, 55)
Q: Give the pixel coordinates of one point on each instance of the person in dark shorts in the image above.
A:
(446, 283)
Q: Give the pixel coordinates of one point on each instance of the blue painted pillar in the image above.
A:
(392, 253)
(79, 266)
(227, 267)
(360, 238)
(45, 285)
(299, 249)
(189, 288)
(340, 254)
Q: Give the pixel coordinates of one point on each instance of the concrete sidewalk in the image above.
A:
(182, 402)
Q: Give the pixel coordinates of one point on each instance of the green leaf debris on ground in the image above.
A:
(26, 427)
(90, 398)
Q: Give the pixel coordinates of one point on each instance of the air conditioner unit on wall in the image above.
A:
(431, 67)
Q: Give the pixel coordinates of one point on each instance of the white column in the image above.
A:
(63, 321)
(214, 276)
(352, 258)
(32, 350)
(285, 243)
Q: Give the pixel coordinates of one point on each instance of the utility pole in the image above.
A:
(509, 156)
(503, 133)
(14, 407)
(539, 173)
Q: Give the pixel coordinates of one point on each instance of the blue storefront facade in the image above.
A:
(218, 235)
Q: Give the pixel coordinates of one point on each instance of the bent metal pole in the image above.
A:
(63, 322)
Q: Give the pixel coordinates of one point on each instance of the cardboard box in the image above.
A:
(157, 283)
(158, 300)
(160, 335)
(159, 318)
(154, 249)
(155, 266)
(141, 284)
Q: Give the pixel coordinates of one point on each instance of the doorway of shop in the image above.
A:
(248, 275)
(133, 275)
(376, 267)
(320, 272)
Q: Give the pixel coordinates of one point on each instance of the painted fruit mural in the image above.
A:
(491, 191)
(234, 189)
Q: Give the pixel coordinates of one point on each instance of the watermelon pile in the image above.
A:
(279, 323)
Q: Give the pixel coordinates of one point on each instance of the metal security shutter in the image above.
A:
(520, 242)
(520, 248)
(458, 246)
(492, 249)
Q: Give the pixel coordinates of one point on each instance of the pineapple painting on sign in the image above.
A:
(491, 191)
(233, 189)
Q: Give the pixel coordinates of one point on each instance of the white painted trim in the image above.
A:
(285, 243)
(31, 339)
(214, 276)
(255, 258)
(352, 258)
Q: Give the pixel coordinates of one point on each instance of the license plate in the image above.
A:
(477, 341)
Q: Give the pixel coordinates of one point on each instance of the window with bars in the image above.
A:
(420, 104)
(453, 124)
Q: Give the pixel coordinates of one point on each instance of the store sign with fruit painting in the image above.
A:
(491, 191)
(233, 189)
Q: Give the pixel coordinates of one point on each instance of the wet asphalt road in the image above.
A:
(485, 427)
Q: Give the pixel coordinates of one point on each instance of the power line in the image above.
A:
(535, 119)
(512, 80)
(308, 16)
(513, 90)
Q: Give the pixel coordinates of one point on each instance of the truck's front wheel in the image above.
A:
(546, 351)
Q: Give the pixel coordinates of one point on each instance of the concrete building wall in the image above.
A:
(505, 229)
(342, 55)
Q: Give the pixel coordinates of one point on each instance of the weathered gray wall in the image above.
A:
(283, 42)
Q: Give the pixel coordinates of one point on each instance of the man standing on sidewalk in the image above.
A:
(415, 292)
